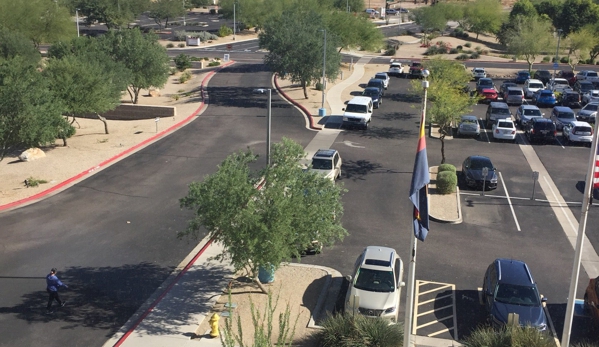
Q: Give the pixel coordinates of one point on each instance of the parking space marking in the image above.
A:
(483, 127)
(560, 143)
(429, 311)
(507, 195)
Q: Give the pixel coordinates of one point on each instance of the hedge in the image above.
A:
(446, 167)
(446, 182)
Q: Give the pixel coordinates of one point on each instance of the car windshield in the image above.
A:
(517, 295)
(505, 124)
(514, 92)
(479, 163)
(469, 121)
(523, 74)
(482, 82)
(375, 280)
(535, 85)
(591, 74)
(380, 76)
(322, 164)
(585, 87)
(565, 115)
(375, 83)
(371, 92)
(529, 112)
(543, 73)
(591, 107)
(544, 126)
(546, 94)
(583, 129)
(355, 108)
(502, 110)
(561, 82)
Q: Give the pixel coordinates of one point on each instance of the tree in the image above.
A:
(115, 14)
(163, 10)
(447, 96)
(529, 38)
(38, 20)
(30, 115)
(199, 3)
(14, 44)
(250, 12)
(354, 31)
(431, 18)
(295, 46)
(483, 16)
(575, 14)
(523, 8)
(580, 44)
(263, 227)
(355, 6)
(142, 55)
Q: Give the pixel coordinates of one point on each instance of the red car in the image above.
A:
(569, 75)
(488, 95)
(591, 299)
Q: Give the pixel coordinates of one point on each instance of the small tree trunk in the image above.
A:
(105, 123)
(260, 285)
(442, 138)
(305, 89)
(64, 141)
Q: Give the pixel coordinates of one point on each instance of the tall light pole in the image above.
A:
(407, 335)
(234, 24)
(324, 66)
(77, 19)
(559, 36)
(184, 12)
(347, 5)
(269, 117)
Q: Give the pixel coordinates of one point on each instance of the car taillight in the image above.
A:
(554, 132)
(532, 131)
(513, 132)
(496, 131)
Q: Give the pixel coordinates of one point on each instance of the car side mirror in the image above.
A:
(343, 109)
(543, 114)
(349, 278)
(544, 299)
(401, 284)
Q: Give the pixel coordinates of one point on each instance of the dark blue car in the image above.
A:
(544, 97)
(522, 76)
(508, 287)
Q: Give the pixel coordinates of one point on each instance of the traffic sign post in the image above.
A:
(485, 174)
(555, 65)
(535, 178)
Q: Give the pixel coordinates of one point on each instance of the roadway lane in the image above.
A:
(113, 235)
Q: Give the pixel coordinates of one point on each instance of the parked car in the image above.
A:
(580, 132)
(522, 76)
(383, 77)
(327, 162)
(488, 95)
(543, 75)
(478, 72)
(543, 97)
(531, 86)
(395, 69)
(587, 75)
(403, 10)
(540, 130)
(569, 98)
(392, 12)
(358, 112)
(591, 96)
(375, 94)
(525, 113)
(504, 130)
(583, 86)
(374, 82)
(484, 83)
(416, 70)
(561, 115)
(472, 171)
(508, 287)
(375, 286)
(568, 75)
(468, 126)
(495, 111)
(588, 113)
(591, 299)
(504, 86)
(558, 85)
(372, 12)
(514, 96)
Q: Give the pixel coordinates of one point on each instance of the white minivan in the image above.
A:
(358, 112)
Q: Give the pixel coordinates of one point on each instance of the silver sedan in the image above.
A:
(468, 126)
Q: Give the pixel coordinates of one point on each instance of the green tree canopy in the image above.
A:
(431, 18)
(165, 10)
(575, 14)
(523, 8)
(483, 16)
(354, 31)
(114, 13)
(263, 227)
(529, 37)
(295, 46)
(580, 44)
(14, 44)
(447, 95)
(30, 115)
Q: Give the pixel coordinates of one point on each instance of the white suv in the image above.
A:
(581, 132)
(588, 75)
(328, 163)
(375, 287)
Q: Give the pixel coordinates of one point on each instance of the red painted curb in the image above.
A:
(157, 301)
(127, 151)
(295, 103)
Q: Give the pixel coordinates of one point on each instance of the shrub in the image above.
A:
(463, 56)
(195, 58)
(508, 336)
(458, 32)
(478, 49)
(446, 182)
(475, 55)
(446, 167)
(459, 47)
(214, 63)
(181, 45)
(172, 70)
(468, 44)
(224, 31)
(432, 50)
(390, 51)
(34, 182)
(170, 45)
(454, 51)
(410, 32)
(484, 52)
(184, 77)
(318, 86)
(564, 60)
(546, 59)
(206, 58)
(182, 62)
(358, 330)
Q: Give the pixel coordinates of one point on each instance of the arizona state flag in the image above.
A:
(419, 187)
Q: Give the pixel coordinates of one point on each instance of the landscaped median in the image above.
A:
(443, 208)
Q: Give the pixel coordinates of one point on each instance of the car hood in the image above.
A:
(326, 173)
(478, 175)
(376, 300)
(529, 117)
(528, 315)
(586, 112)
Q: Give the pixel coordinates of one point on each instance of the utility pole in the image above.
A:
(559, 36)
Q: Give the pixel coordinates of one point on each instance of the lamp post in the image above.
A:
(184, 13)
(559, 36)
(77, 19)
(268, 121)
(347, 5)
(407, 335)
(324, 65)
(234, 24)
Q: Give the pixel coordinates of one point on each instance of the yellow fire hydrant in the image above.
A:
(214, 325)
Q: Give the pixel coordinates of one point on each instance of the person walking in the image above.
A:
(52, 285)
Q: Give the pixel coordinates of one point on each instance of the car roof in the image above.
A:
(379, 256)
(532, 80)
(381, 74)
(484, 79)
(325, 153)
(468, 116)
(498, 104)
(544, 120)
(559, 79)
(562, 109)
(530, 107)
(514, 88)
(523, 71)
(513, 272)
(577, 123)
(372, 88)
(545, 91)
(362, 100)
(479, 68)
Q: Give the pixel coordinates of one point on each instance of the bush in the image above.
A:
(446, 167)
(446, 182)
(433, 50)
(508, 336)
(184, 77)
(203, 35)
(172, 70)
(170, 45)
(546, 59)
(182, 62)
(214, 63)
(224, 31)
(454, 51)
(484, 52)
(564, 60)
(463, 56)
(475, 55)
(390, 51)
(357, 330)
(34, 182)
(457, 32)
(181, 45)
(459, 47)
(468, 44)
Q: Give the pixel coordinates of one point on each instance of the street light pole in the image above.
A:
(268, 122)
(184, 13)
(77, 19)
(559, 36)
(347, 5)
(234, 24)
(324, 65)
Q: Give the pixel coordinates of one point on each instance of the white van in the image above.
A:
(358, 112)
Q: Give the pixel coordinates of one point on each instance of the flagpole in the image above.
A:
(407, 336)
(588, 190)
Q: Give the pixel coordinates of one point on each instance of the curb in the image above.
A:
(302, 109)
(108, 162)
(451, 221)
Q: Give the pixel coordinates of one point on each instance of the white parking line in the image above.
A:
(483, 127)
(558, 141)
(507, 195)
